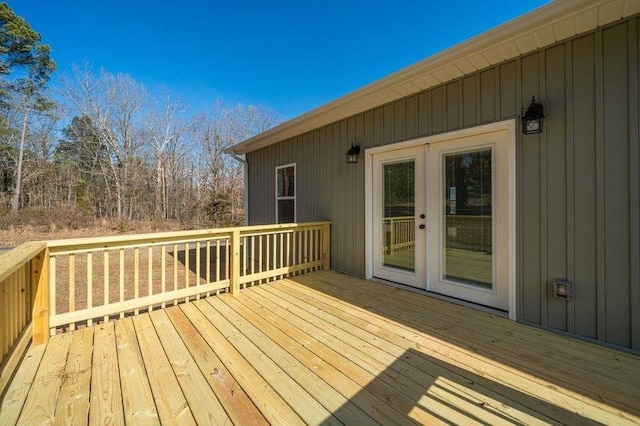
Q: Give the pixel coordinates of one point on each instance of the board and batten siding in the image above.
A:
(577, 182)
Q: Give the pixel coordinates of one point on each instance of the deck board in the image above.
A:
(394, 364)
(171, 403)
(18, 391)
(268, 401)
(504, 340)
(202, 400)
(41, 402)
(331, 386)
(137, 399)
(321, 348)
(106, 397)
(239, 407)
(73, 402)
(309, 409)
(407, 374)
(515, 366)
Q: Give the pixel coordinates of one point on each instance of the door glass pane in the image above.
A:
(467, 206)
(398, 223)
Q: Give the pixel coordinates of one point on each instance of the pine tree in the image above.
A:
(26, 66)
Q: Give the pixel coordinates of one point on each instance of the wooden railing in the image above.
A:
(400, 233)
(47, 287)
(469, 232)
(21, 273)
(105, 278)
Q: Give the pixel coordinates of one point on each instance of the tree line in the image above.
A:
(103, 144)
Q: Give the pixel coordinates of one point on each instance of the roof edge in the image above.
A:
(543, 17)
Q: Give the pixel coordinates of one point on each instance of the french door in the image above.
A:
(441, 217)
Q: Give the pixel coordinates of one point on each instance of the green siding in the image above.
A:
(584, 183)
(616, 185)
(556, 189)
(578, 184)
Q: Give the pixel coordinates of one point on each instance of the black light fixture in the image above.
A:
(533, 119)
(353, 153)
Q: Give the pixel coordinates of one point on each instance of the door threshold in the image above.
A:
(444, 298)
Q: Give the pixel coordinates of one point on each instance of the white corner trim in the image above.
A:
(513, 288)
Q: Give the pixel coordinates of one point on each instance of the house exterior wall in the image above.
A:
(577, 182)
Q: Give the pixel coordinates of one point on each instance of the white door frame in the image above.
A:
(508, 126)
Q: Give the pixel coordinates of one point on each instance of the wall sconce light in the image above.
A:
(533, 119)
(353, 153)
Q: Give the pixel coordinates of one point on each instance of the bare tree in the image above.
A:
(218, 129)
(165, 127)
(36, 167)
(113, 103)
(123, 152)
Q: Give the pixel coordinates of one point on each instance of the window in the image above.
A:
(286, 193)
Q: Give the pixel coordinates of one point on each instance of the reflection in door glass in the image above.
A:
(467, 228)
(398, 223)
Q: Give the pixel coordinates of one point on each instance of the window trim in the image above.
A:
(295, 191)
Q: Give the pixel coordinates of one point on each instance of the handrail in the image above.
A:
(160, 237)
(13, 259)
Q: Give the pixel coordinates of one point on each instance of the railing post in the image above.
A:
(40, 281)
(326, 247)
(235, 262)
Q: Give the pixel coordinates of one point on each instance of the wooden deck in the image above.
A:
(321, 348)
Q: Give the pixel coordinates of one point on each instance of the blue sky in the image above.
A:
(291, 56)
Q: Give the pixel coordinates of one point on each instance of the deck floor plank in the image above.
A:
(105, 405)
(267, 400)
(504, 341)
(282, 334)
(73, 402)
(413, 364)
(17, 392)
(617, 365)
(239, 407)
(390, 401)
(137, 399)
(471, 352)
(171, 403)
(41, 403)
(304, 372)
(310, 410)
(321, 348)
(401, 369)
(597, 360)
(202, 400)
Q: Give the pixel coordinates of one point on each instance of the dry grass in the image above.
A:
(13, 234)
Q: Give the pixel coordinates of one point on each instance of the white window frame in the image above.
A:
(295, 191)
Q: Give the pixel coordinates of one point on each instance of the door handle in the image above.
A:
(421, 226)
